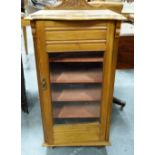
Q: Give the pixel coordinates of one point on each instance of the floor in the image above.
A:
(121, 126)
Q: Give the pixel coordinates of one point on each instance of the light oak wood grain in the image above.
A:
(108, 81)
(42, 73)
(76, 15)
(94, 143)
(86, 59)
(76, 46)
(76, 133)
(75, 35)
(98, 30)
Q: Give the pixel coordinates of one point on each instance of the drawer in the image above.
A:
(70, 36)
(76, 46)
(83, 34)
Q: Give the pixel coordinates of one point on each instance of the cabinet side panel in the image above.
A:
(114, 63)
(108, 82)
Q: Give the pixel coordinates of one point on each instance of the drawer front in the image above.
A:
(70, 46)
(82, 34)
(73, 24)
(70, 36)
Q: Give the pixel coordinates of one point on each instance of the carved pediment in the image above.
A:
(71, 5)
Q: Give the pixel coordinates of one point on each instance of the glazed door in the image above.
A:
(76, 84)
(75, 78)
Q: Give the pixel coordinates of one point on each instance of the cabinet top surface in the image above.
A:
(76, 15)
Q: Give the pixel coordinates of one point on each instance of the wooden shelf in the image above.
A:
(77, 111)
(95, 56)
(95, 59)
(76, 76)
(76, 93)
(74, 79)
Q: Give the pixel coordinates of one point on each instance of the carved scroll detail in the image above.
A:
(72, 5)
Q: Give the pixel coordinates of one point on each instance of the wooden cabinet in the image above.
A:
(76, 60)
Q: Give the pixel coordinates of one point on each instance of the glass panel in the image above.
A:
(76, 82)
